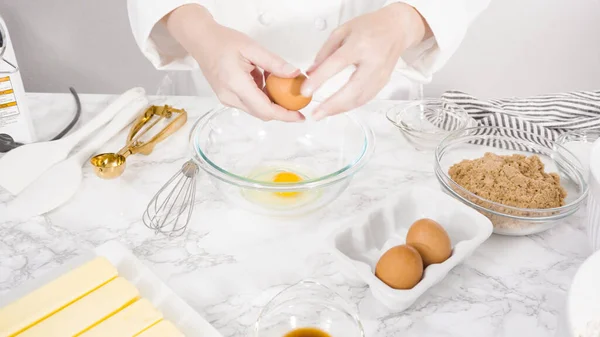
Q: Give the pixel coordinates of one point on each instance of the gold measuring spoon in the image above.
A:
(112, 165)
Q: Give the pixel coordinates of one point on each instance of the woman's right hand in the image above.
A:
(231, 62)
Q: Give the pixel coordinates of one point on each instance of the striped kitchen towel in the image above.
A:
(546, 116)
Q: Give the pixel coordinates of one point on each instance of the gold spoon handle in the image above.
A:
(174, 125)
(132, 146)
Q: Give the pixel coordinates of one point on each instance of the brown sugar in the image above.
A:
(512, 180)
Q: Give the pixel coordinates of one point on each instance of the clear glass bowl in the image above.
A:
(580, 143)
(308, 304)
(475, 142)
(242, 155)
(424, 123)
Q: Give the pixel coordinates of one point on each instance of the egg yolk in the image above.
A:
(287, 177)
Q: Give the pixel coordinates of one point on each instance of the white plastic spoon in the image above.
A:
(21, 166)
(58, 184)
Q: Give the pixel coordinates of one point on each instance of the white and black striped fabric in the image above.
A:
(445, 115)
(533, 119)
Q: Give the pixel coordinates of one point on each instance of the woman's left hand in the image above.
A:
(373, 43)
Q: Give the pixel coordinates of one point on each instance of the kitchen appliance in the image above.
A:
(593, 202)
(15, 125)
(15, 120)
(7, 143)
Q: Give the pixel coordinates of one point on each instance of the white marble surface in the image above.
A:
(230, 263)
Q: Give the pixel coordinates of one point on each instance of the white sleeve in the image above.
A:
(449, 21)
(152, 37)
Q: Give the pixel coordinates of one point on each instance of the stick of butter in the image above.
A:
(64, 290)
(127, 322)
(163, 328)
(86, 312)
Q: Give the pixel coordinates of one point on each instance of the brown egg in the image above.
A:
(400, 267)
(286, 92)
(431, 240)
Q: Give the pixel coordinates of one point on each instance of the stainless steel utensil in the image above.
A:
(171, 208)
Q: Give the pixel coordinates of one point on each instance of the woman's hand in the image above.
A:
(231, 62)
(373, 43)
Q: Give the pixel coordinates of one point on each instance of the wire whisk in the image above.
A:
(170, 210)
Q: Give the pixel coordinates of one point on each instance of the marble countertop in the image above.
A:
(230, 263)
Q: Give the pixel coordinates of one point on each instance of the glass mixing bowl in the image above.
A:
(308, 304)
(424, 123)
(278, 168)
(475, 142)
(580, 143)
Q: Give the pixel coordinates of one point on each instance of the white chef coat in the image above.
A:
(297, 29)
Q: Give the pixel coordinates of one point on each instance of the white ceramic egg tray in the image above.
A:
(150, 286)
(361, 241)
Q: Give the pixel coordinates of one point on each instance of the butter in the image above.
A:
(86, 312)
(62, 291)
(163, 328)
(128, 322)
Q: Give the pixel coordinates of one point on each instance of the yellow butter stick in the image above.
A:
(163, 328)
(86, 312)
(128, 322)
(62, 291)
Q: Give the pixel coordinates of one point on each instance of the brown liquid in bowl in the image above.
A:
(307, 332)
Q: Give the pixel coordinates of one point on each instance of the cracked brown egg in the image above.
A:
(286, 92)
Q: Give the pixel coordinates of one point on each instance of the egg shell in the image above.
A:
(431, 240)
(286, 92)
(400, 267)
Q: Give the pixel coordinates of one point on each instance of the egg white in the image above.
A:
(272, 200)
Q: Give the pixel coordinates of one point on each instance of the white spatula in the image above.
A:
(21, 166)
(59, 183)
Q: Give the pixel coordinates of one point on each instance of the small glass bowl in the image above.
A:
(242, 154)
(507, 220)
(424, 123)
(308, 304)
(580, 143)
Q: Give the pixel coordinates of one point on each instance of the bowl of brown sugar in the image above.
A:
(523, 182)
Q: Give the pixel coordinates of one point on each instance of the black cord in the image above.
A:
(7, 143)
(75, 119)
